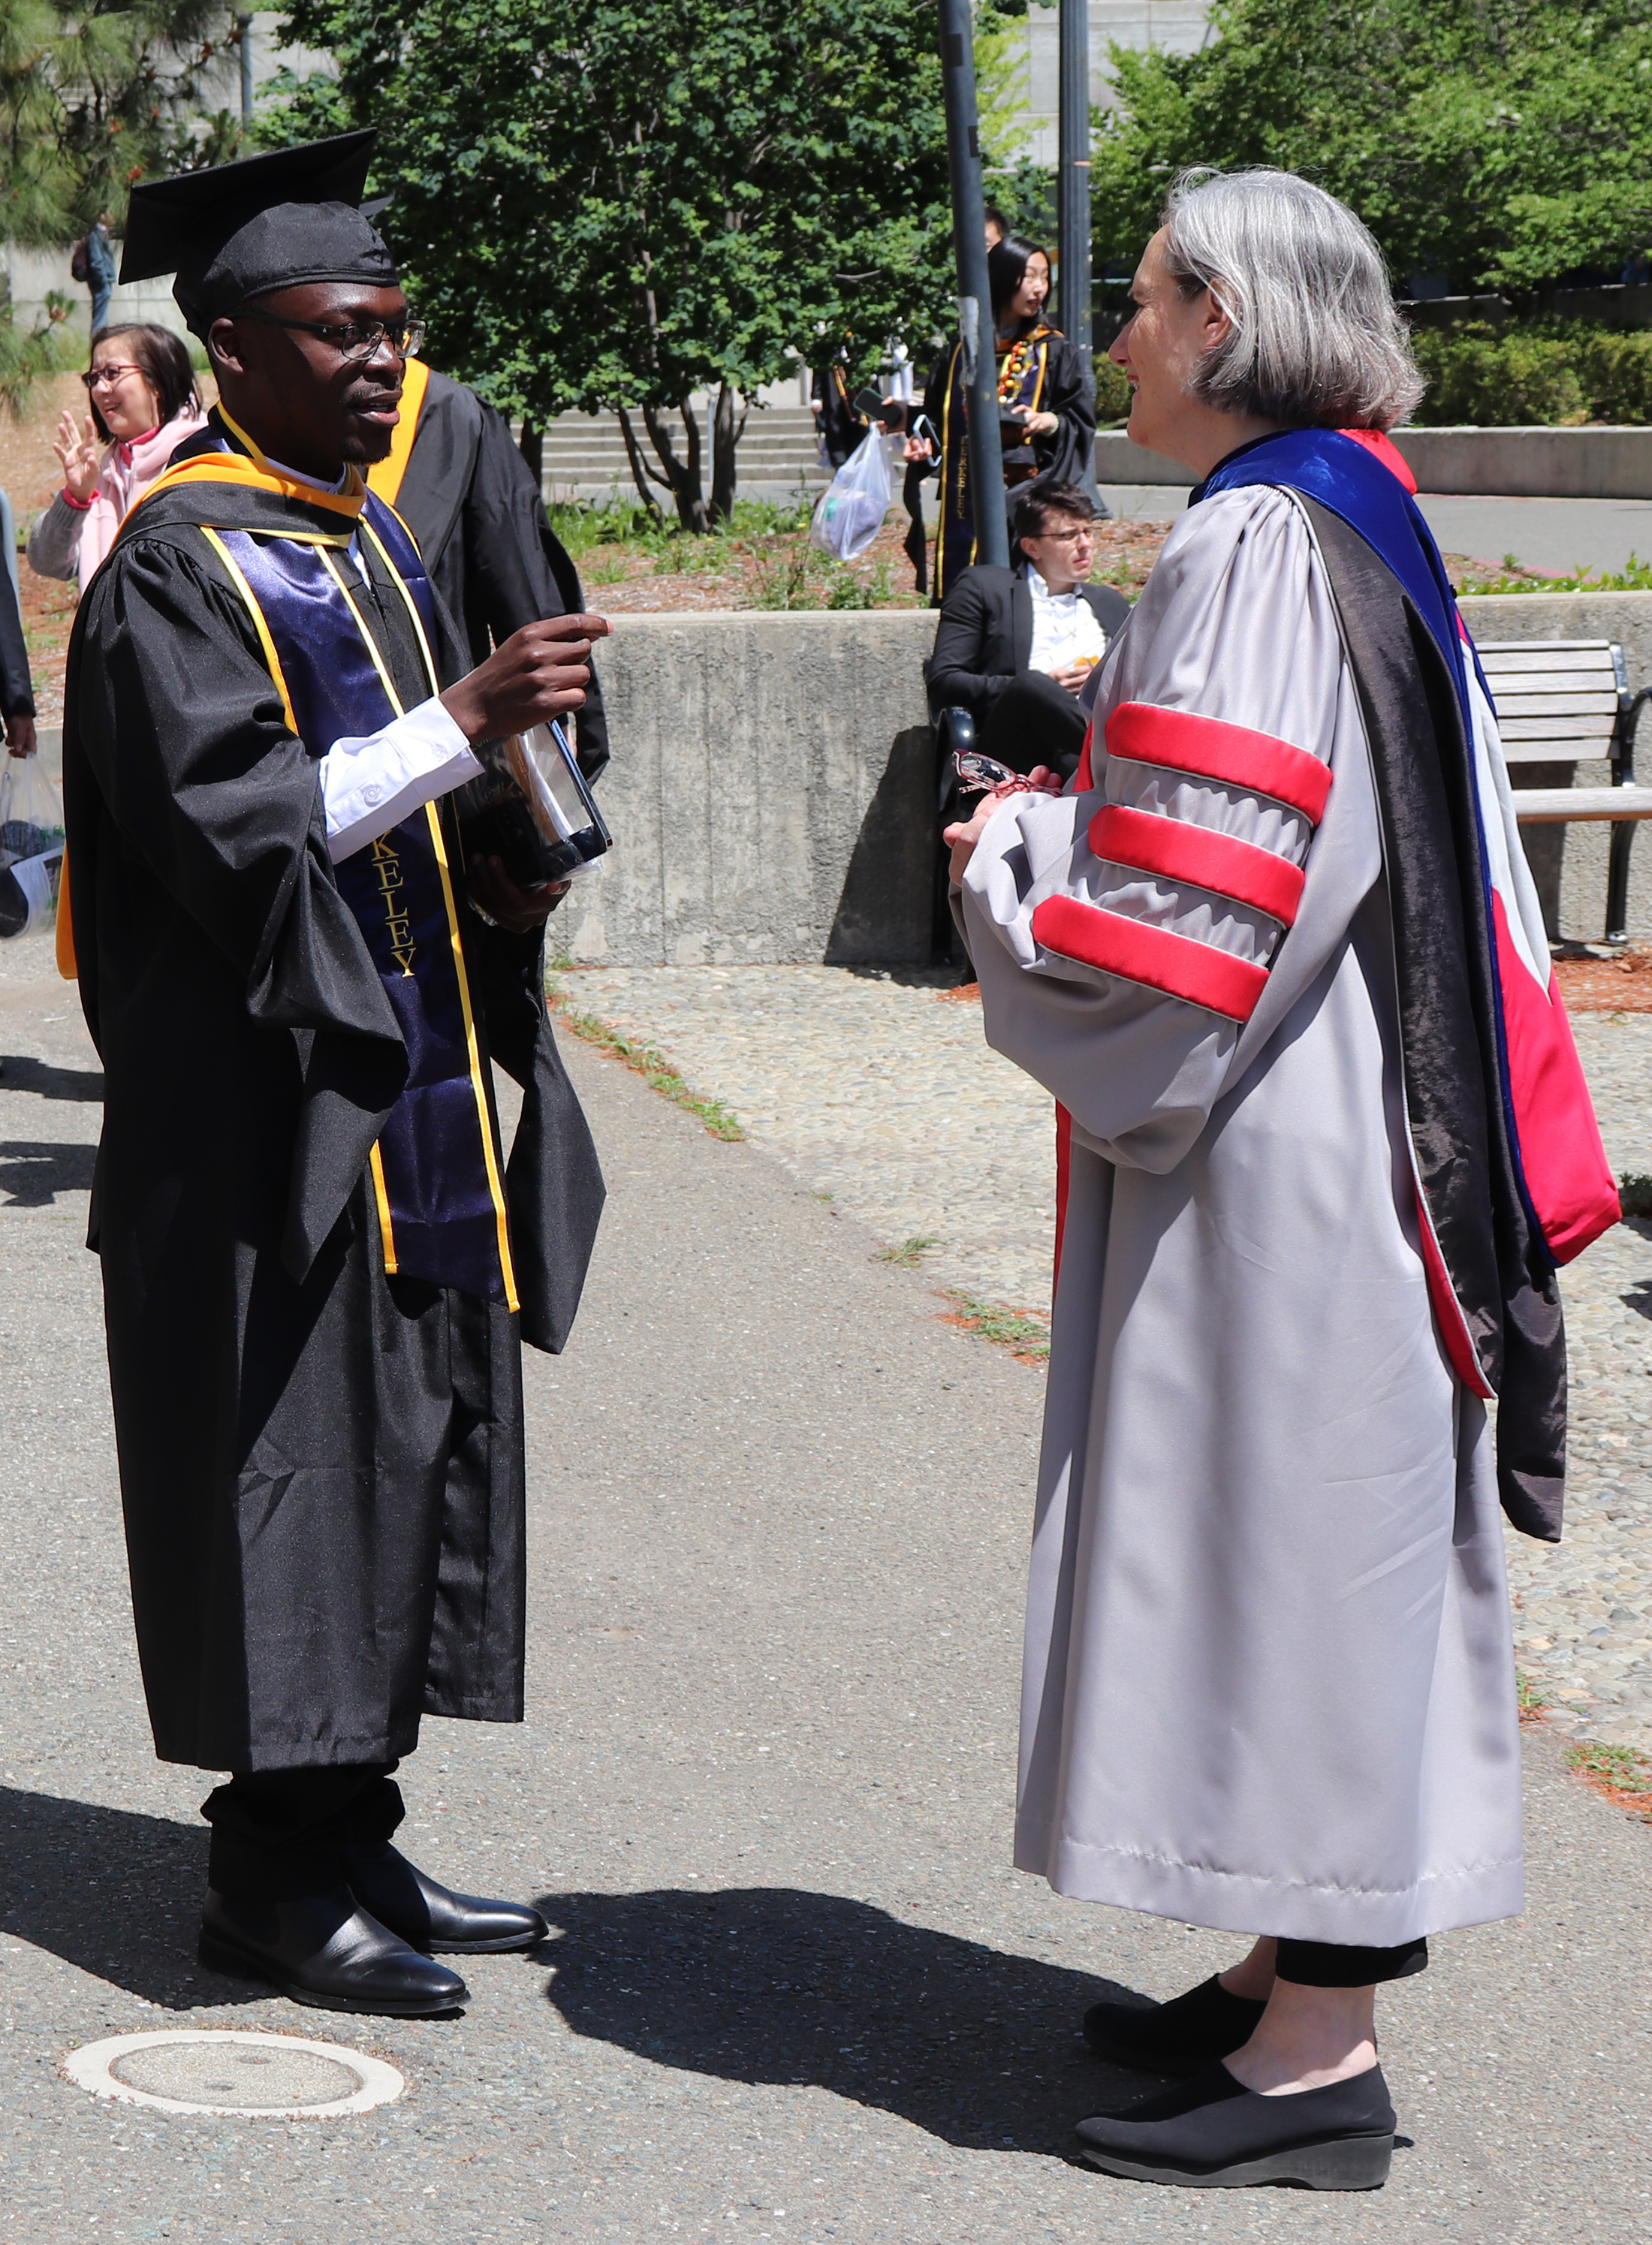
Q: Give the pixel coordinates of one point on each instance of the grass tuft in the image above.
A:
(1027, 1336)
(910, 1252)
(647, 1062)
(1635, 1191)
(1622, 1774)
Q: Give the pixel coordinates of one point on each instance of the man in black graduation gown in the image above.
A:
(470, 500)
(317, 1266)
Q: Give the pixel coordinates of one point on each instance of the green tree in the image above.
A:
(616, 202)
(1504, 146)
(92, 98)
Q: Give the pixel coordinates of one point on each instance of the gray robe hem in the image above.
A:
(1243, 1902)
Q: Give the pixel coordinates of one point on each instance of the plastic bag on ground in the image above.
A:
(849, 512)
(30, 846)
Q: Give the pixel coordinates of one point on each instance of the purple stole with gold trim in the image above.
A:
(435, 1169)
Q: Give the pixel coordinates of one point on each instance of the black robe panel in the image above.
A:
(1503, 1274)
(470, 499)
(320, 1465)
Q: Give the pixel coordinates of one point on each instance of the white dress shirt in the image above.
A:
(1065, 627)
(371, 781)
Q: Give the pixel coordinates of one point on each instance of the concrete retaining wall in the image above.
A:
(1531, 463)
(1483, 462)
(772, 793)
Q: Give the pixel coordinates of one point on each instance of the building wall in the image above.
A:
(1178, 26)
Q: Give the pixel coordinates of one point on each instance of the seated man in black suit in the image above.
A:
(1014, 647)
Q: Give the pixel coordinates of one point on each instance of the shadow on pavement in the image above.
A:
(775, 1984)
(113, 1892)
(34, 1171)
(19, 1073)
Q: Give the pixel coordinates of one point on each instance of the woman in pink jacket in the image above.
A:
(140, 390)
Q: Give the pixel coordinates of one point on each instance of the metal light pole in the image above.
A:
(1072, 181)
(975, 293)
(246, 25)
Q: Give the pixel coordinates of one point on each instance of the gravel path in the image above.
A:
(876, 1090)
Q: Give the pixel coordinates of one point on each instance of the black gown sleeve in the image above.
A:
(954, 670)
(16, 688)
(516, 570)
(183, 781)
(1068, 455)
(935, 406)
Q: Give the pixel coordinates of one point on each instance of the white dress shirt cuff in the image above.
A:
(371, 784)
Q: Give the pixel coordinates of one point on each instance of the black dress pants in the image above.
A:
(281, 1833)
(1328, 1964)
(1033, 722)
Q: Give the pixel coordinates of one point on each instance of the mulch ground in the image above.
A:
(782, 569)
(1607, 986)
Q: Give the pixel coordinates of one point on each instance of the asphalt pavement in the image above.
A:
(794, 1990)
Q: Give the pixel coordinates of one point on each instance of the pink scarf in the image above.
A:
(127, 471)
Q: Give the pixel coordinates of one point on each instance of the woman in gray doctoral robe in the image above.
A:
(1268, 1681)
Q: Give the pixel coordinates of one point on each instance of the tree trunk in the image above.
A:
(533, 450)
(681, 476)
(725, 435)
(640, 472)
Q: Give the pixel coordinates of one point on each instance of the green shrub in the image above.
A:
(1112, 392)
(1549, 373)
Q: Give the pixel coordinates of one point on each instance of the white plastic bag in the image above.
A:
(849, 512)
(30, 846)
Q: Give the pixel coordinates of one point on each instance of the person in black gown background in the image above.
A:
(1047, 412)
(469, 497)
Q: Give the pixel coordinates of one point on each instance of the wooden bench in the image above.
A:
(1567, 701)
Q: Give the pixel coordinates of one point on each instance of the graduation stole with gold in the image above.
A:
(1022, 372)
(435, 1169)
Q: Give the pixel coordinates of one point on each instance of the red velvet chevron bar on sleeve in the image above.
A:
(1179, 851)
(1156, 956)
(1209, 748)
(1175, 849)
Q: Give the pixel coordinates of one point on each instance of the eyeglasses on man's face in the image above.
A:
(1083, 530)
(354, 341)
(109, 371)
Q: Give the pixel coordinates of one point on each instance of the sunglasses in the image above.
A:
(109, 372)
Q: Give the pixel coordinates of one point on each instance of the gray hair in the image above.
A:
(1315, 337)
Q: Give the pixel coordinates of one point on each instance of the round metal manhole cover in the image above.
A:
(232, 2072)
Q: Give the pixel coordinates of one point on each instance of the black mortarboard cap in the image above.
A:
(270, 221)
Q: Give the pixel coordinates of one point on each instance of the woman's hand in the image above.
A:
(79, 455)
(917, 448)
(962, 837)
(1037, 425)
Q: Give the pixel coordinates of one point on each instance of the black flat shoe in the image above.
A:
(427, 1916)
(326, 1952)
(1213, 2134)
(1184, 2035)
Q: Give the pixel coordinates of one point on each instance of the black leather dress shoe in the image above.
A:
(1184, 2035)
(326, 1952)
(1213, 2134)
(427, 1916)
